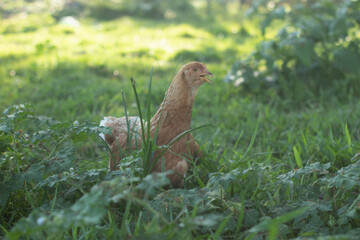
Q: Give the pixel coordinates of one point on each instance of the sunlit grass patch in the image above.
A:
(112, 50)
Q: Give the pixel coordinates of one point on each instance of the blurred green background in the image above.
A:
(71, 59)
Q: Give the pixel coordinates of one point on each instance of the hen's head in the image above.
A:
(194, 73)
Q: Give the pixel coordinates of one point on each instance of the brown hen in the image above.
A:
(172, 118)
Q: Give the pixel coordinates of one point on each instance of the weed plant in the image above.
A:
(47, 192)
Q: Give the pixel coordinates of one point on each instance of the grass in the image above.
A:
(104, 56)
(270, 170)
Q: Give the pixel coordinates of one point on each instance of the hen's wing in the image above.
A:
(178, 158)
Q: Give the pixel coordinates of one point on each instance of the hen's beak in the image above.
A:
(207, 74)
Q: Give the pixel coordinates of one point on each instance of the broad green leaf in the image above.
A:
(338, 27)
(304, 49)
(5, 127)
(346, 178)
(347, 60)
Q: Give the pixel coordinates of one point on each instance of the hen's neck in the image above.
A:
(176, 108)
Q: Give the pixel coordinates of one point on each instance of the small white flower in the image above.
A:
(239, 81)
(269, 78)
(271, 5)
(76, 123)
(40, 221)
(116, 73)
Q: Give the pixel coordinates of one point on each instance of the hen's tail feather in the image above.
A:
(119, 127)
(102, 124)
(108, 122)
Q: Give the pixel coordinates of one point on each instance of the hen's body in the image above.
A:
(172, 119)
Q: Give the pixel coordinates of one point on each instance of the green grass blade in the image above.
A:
(127, 121)
(348, 139)
(221, 227)
(274, 225)
(297, 157)
(74, 232)
(253, 137)
(178, 137)
(125, 217)
(139, 110)
(138, 224)
(147, 159)
(4, 229)
(241, 215)
(149, 143)
(148, 116)
(186, 132)
(108, 149)
(237, 142)
(54, 200)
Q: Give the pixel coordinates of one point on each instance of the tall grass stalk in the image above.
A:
(127, 121)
